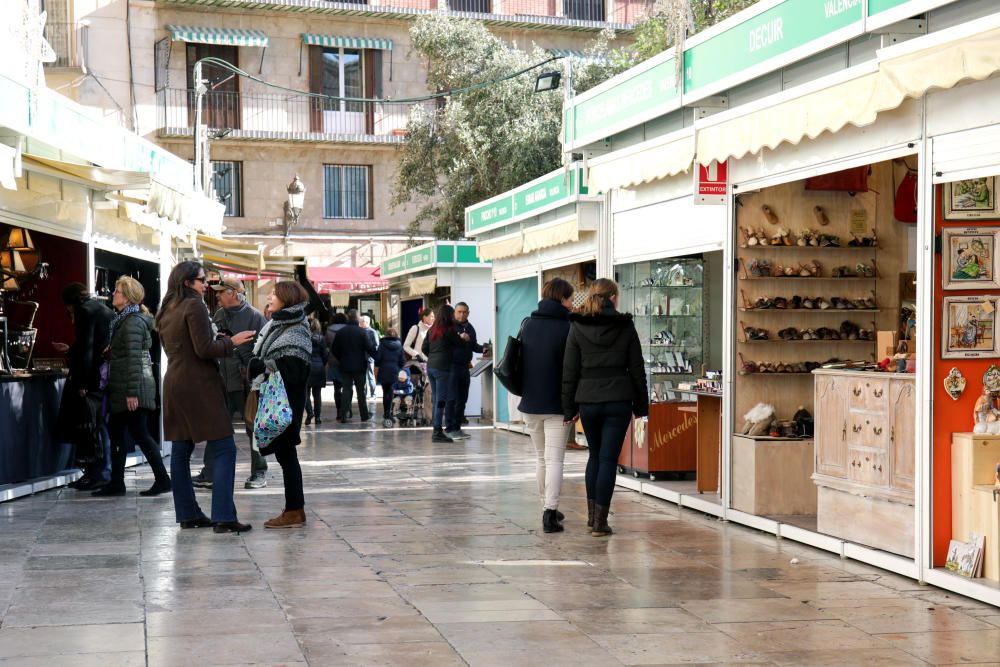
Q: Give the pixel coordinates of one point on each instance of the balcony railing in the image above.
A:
(69, 41)
(286, 116)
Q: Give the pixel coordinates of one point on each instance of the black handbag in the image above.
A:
(509, 371)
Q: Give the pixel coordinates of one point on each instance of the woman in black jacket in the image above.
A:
(131, 388)
(543, 340)
(317, 374)
(439, 348)
(285, 345)
(604, 383)
(389, 360)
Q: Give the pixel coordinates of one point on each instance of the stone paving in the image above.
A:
(418, 554)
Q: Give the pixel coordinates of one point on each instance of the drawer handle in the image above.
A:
(879, 467)
(878, 392)
(856, 428)
(892, 434)
(843, 433)
(857, 391)
(877, 429)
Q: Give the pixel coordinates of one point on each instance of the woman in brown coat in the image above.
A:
(194, 398)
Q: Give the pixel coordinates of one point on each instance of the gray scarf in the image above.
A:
(286, 334)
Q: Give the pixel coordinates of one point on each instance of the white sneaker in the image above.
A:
(258, 481)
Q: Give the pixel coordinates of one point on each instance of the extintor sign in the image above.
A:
(713, 180)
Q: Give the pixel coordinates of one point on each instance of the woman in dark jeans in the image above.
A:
(131, 388)
(285, 345)
(317, 374)
(604, 384)
(439, 348)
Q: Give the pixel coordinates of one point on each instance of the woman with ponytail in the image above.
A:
(604, 384)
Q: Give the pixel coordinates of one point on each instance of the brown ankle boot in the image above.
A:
(601, 527)
(287, 519)
(590, 513)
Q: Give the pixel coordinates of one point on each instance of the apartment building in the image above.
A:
(134, 60)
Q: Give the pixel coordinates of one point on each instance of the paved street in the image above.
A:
(433, 555)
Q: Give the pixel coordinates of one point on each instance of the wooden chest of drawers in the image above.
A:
(865, 457)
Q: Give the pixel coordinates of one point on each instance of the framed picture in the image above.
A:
(971, 199)
(969, 258)
(969, 327)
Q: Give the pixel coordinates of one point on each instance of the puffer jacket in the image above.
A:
(317, 362)
(131, 373)
(389, 360)
(603, 363)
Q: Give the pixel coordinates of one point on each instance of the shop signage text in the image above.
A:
(531, 198)
(429, 256)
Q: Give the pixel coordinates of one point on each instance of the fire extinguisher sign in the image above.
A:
(713, 181)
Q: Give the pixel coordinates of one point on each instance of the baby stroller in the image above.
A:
(414, 413)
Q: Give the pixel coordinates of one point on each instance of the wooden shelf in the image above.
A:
(827, 340)
(813, 248)
(810, 310)
(828, 278)
(776, 375)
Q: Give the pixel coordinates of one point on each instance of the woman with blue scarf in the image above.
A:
(285, 345)
(131, 388)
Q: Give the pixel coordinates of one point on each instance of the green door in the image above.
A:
(515, 301)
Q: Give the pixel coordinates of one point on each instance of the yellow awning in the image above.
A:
(546, 236)
(422, 285)
(234, 254)
(949, 57)
(96, 178)
(649, 161)
(505, 246)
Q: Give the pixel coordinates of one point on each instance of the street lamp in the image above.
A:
(547, 81)
(293, 206)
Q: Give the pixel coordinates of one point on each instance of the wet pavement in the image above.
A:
(418, 554)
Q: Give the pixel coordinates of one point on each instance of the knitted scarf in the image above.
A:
(286, 334)
(121, 315)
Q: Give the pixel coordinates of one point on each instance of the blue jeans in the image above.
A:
(458, 396)
(440, 384)
(223, 476)
(605, 425)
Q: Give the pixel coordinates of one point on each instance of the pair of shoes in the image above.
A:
(458, 435)
(441, 436)
(200, 522)
(550, 522)
(201, 481)
(309, 419)
(109, 490)
(258, 480)
(232, 527)
(157, 489)
(287, 519)
(600, 527)
(575, 446)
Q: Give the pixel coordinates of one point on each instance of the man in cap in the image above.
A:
(235, 314)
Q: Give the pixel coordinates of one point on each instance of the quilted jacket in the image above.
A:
(131, 371)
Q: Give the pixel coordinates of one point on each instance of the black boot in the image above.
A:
(590, 513)
(161, 480)
(550, 522)
(232, 527)
(159, 486)
(440, 436)
(601, 527)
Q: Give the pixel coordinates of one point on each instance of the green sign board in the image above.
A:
(539, 195)
(428, 256)
(627, 103)
(773, 33)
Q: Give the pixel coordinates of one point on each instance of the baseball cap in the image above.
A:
(230, 283)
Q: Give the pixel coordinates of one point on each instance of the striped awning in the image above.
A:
(348, 42)
(224, 36)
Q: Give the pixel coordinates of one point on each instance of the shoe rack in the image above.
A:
(810, 268)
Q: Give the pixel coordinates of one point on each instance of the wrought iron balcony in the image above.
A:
(285, 117)
(69, 41)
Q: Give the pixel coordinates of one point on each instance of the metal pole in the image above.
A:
(199, 93)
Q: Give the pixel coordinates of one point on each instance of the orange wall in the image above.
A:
(949, 416)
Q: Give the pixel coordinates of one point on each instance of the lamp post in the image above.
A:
(293, 205)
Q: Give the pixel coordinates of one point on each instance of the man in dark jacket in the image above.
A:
(235, 314)
(458, 395)
(92, 326)
(337, 322)
(353, 347)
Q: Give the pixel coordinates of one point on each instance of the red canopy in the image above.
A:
(347, 279)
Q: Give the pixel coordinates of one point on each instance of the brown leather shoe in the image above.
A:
(575, 445)
(601, 527)
(287, 519)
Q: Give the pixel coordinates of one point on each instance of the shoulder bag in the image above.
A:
(509, 371)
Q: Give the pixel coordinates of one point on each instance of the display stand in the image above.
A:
(665, 442)
(974, 506)
(709, 439)
(771, 476)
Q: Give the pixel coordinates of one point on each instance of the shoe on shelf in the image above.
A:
(157, 489)
(287, 519)
(256, 481)
(232, 527)
(200, 522)
(109, 490)
(201, 481)
(441, 436)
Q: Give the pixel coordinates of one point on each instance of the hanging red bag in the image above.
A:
(905, 208)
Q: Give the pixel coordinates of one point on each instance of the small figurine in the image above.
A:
(986, 416)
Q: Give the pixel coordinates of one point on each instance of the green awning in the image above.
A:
(224, 36)
(347, 42)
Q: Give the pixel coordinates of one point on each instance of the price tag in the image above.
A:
(859, 222)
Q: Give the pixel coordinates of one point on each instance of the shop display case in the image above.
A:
(666, 299)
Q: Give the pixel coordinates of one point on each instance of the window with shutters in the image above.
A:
(350, 77)
(347, 191)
